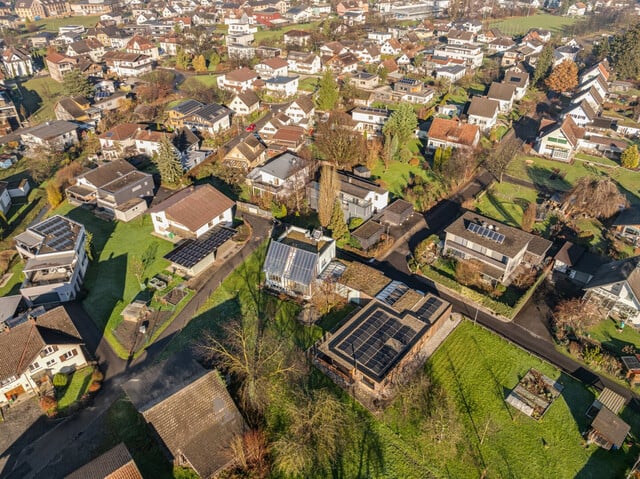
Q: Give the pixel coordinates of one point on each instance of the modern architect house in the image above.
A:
(499, 248)
(359, 198)
(281, 177)
(117, 188)
(295, 260)
(382, 343)
(33, 351)
(192, 212)
(55, 260)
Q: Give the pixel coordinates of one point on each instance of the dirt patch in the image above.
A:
(130, 335)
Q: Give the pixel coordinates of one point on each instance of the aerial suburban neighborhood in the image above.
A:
(311, 239)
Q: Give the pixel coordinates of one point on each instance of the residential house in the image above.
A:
(306, 63)
(59, 65)
(582, 113)
(38, 9)
(364, 80)
(117, 188)
(9, 118)
(599, 69)
(499, 249)
(245, 103)
(192, 212)
(271, 123)
(281, 177)
(54, 135)
(141, 46)
(518, 79)
(238, 51)
(16, 62)
(245, 152)
(116, 463)
(76, 109)
(591, 96)
(237, 80)
(55, 260)
(391, 47)
(272, 67)
(295, 260)
(445, 133)
(451, 73)
(301, 110)
(148, 142)
(343, 63)
(598, 82)
(169, 45)
(288, 137)
(125, 64)
(483, 112)
(190, 413)
(379, 37)
(89, 47)
(627, 225)
(459, 37)
(297, 38)
(559, 141)
(358, 197)
(282, 86)
(299, 14)
(471, 54)
(578, 9)
(504, 94)
(177, 113)
(332, 49)
(500, 45)
(35, 350)
(211, 119)
(370, 120)
(615, 288)
(119, 141)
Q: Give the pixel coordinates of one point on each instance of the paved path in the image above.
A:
(33, 462)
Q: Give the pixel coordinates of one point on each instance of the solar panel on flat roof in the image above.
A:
(191, 252)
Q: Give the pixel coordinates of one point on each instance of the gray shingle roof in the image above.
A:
(281, 167)
(617, 271)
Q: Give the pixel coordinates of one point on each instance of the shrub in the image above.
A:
(94, 386)
(414, 161)
(60, 380)
(49, 405)
(97, 376)
(355, 222)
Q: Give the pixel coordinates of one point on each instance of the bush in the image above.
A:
(97, 376)
(355, 222)
(60, 380)
(414, 161)
(94, 386)
(49, 405)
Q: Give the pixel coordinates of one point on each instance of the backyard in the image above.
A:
(506, 202)
(613, 338)
(77, 387)
(38, 95)
(521, 25)
(109, 282)
(277, 34)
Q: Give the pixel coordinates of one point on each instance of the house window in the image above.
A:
(51, 362)
(47, 351)
(69, 354)
(4, 382)
(34, 366)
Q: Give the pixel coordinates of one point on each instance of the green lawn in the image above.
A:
(520, 25)
(39, 95)
(109, 283)
(308, 84)
(506, 202)
(477, 369)
(278, 33)
(207, 80)
(53, 24)
(562, 176)
(612, 338)
(77, 387)
(13, 285)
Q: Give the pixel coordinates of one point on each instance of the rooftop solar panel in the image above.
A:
(485, 232)
(191, 252)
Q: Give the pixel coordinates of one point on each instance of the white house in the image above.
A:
(272, 67)
(471, 54)
(559, 141)
(369, 119)
(126, 64)
(282, 86)
(504, 94)
(307, 63)
(16, 62)
(34, 350)
(192, 212)
(483, 112)
(148, 142)
(281, 177)
(245, 103)
(238, 80)
(300, 110)
(55, 260)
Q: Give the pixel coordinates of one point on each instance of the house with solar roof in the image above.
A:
(500, 249)
(382, 343)
(295, 260)
(55, 260)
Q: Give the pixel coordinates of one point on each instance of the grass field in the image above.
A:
(207, 80)
(521, 25)
(77, 387)
(610, 336)
(506, 202)
(39, 95)
(277, 34)
(308, 84)
(477, 369)
(53, 24)
(109, 281)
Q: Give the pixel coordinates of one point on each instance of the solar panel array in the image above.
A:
(485, 232)
(191, 252)
(59, 234)
(429, 308)
(631, 362)
(392, 293)
(377, 342)
(290, 263)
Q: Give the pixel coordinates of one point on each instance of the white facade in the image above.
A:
(163, 226)
(370, 120)
(282, 86)
(471, 54)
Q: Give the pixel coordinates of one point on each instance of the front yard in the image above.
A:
(76, 388)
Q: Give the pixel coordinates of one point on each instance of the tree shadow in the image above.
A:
(497, 204)
(546, 180)
(526, 128)
(11, 469)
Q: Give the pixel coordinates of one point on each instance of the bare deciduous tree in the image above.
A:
(338, 143)
(573, 316)
(596, 197)
(329, 187)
